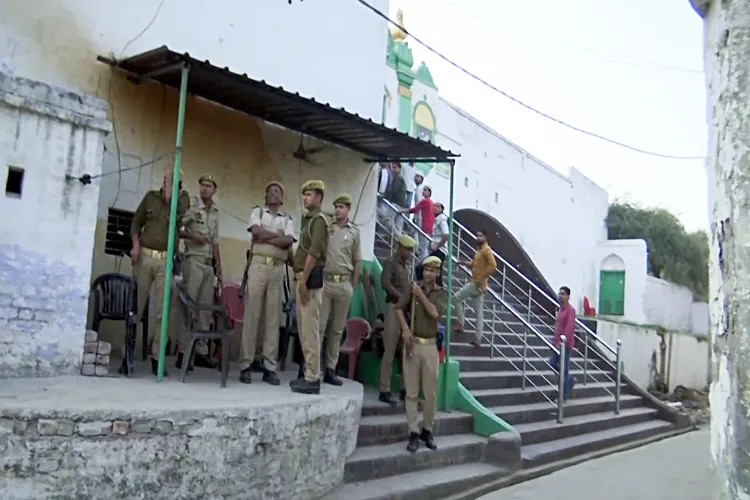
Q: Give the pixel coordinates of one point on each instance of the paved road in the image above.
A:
(676, 468)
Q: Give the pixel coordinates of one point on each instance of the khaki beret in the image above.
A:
(208, 177)
(432, 261)
(313, 186)
(274, 183)
(407, 241)
(344, 199)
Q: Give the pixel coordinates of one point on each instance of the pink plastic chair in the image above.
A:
(357, 330)
(234, 305)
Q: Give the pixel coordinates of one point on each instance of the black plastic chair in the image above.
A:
(115, 299)
(222, 331)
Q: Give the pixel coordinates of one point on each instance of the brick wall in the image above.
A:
(47, 231)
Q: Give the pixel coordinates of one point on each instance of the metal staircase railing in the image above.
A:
(509, 276)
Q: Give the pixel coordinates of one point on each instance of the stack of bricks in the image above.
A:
(95, 356)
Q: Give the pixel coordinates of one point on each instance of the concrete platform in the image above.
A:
(86, 437)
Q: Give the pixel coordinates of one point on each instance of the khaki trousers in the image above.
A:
(198, 275)
(308, 325)
(262, 313)
(337, 296)
(391, 336)
(421, 366)
(150, 271)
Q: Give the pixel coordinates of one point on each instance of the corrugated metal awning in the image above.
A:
(279, 106)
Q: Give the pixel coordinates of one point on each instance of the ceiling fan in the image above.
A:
(303, 153)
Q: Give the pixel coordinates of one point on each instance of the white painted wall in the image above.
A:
(669, 305)
(557, 219)
(47, 231)
(314, 48)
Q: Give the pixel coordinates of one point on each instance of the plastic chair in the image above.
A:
(233, 303)
(357, 330)
(116, 299)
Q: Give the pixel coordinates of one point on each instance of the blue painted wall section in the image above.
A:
(43, 311)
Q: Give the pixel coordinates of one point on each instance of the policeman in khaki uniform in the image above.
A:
(201, 240)
(341, 272)
(395, 280)
(426, 302)
(309, 261)
(149, 233)
(272, 237)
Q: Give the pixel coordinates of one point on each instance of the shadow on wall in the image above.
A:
(506, 245)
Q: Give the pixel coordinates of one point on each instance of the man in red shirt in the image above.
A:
(565, 324)
(426, 211)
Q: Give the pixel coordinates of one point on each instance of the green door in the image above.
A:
(612, 293)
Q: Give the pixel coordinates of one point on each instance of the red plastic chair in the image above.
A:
(357, 330)
(234, 305)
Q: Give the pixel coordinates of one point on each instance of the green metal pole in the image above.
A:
(172, 224)
(450, 270)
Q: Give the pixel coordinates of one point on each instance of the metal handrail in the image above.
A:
(514, 312)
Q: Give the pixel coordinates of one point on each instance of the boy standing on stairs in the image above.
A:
(482, 266)
(426, 301)
(565, 324)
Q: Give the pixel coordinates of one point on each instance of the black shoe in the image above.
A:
(429, 441)
(124, 370)
(304, 386)
(402, 395)
(413, 445)
(330, 377)
(178, 363)
(257, 366)
(387, 397)
(246, 376)
(270, 377)
(155, 368)
(203, 361)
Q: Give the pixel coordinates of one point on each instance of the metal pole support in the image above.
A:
(562, 371)
(585, 356)
(618, 370)
(523, 358)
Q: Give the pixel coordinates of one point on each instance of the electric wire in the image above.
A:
(518, 101)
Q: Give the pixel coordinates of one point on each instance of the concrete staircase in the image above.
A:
(381, 469)
(519, 393)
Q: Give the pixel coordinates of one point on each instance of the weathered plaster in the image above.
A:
(727, 43)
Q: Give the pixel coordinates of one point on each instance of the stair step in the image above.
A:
(374, 462)
(550, 430)
(423, 485)
(516, 395)
(560, 449)
(502, 379)
(534, 412)
(385, 429)
(533, 363)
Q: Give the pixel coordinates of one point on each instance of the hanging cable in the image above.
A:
(518, 101)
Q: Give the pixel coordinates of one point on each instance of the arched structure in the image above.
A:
(505, 244)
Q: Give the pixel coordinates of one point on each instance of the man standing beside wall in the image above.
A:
(149, 233)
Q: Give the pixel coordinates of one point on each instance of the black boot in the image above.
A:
(178, 363)
(331, 378)
(387, 397)
(304, 386)
(257, 366)
(203, 361)
(413, 445)
(429, 441)
(155, 368)
(270, 377)
(246, 376)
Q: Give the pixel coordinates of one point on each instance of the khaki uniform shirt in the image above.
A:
(344, 250)
(312, 240)
(205, 222)
(151, 219)
(263, 217)
(424, 326)
(396, 273)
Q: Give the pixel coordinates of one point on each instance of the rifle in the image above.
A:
(243, 286)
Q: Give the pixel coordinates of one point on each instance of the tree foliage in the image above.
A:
(673, 253)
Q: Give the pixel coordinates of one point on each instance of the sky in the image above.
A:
(629, 70)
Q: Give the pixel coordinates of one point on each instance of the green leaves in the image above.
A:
(673, 254)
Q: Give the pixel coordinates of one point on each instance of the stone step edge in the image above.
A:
(524, 475)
